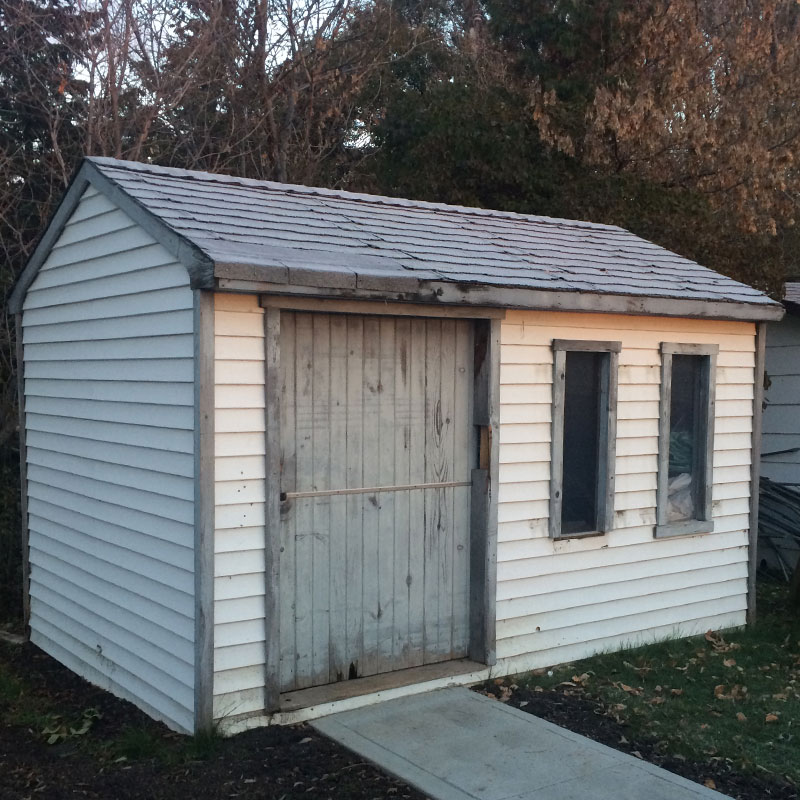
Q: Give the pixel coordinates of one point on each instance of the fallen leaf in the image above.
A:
(739, 692)
(657, 701)
(719, 691)
(676, 692)
(709, 783)
(729, 662)
(771, 718)
(523, 704)
(741, 717)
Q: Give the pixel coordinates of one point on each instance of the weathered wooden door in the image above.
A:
(376, 435)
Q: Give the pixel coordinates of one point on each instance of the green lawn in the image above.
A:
(732, 696)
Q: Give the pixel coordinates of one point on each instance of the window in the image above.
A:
(686, 439)
(584, 437)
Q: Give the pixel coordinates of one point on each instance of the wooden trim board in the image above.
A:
(316, 695)
(23, 476)
(204, 508)
(272, 510)
(336, 306)
(485, 485)
(755, 473)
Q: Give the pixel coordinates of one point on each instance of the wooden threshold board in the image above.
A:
(305, 698)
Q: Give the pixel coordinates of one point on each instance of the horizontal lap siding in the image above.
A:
(781, 423)
(107, 333)
(239, 630)
(560, 600)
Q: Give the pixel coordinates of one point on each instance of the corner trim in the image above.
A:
(272, 508)
(755, 470)
(23, 477)
(204, 506)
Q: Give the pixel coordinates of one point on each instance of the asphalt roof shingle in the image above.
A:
(281, 229)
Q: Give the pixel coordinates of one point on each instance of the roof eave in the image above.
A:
(407, 289)
(199, 265)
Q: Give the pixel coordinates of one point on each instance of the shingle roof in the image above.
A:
(300, 236)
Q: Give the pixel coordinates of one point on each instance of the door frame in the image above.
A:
(483, 503)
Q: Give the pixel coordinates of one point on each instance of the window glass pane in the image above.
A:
(686, 438)
(582, 396)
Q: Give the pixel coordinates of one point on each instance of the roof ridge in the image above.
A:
(296, 188)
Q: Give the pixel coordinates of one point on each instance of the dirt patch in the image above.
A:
(126, 755)
(583, 716)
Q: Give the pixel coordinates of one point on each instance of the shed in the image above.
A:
(288, 449)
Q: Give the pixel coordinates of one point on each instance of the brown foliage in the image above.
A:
(698, 95)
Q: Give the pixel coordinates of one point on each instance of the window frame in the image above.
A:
(607, 450)
(703, 521)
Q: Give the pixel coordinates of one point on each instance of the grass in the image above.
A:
(53, 722)
(732, 696)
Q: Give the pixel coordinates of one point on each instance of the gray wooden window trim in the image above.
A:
(272, 510)
(586, 346)
(483, 510)
(608, 434)
(704, 522)
(204, 508)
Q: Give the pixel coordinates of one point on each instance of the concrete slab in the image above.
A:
(454, 744)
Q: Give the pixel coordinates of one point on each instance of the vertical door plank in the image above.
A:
(288, 483)
(415, 534)
(338, 503)
(355, 502)
(402, 500)
(435, 514)
(371, 502)
(386, 500)
(463, 459)
(321, 528)
(304, 507)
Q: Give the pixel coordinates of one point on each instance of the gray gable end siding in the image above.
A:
(256, 235)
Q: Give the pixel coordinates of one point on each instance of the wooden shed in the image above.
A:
(286, 448)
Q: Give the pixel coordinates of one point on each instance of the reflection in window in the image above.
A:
(686, 439)
(685, 432)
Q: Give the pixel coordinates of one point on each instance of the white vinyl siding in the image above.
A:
(108, 347)
(565, 599)
(239, 629)
(781, 426)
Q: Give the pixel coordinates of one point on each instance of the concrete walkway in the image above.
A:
(454, 744)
